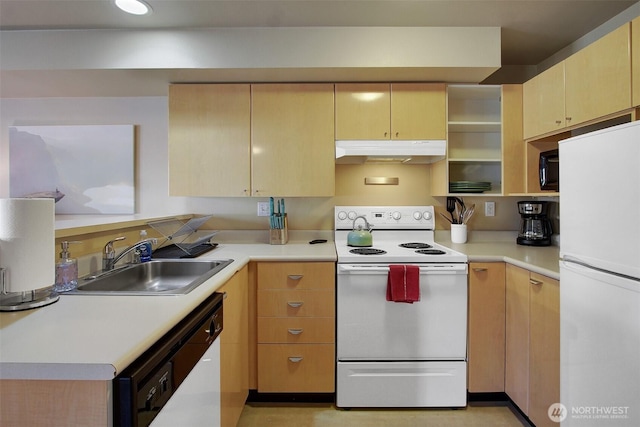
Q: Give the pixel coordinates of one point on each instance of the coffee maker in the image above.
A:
(535, 226)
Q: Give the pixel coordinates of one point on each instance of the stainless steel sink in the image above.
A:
(158, 277)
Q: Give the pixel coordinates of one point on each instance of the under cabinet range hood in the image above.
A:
(390, 151)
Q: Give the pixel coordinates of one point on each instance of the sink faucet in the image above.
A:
(109, 258)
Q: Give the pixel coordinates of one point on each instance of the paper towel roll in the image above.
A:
(27, 243)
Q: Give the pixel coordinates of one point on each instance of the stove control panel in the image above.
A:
(386, 217)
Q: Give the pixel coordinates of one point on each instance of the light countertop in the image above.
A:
(501, 246)
(96, 337)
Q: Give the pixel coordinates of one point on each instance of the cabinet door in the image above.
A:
(543, 102)
(209, 138)
(293, 148)
(363, 111)
(486, 327)
(418, 111)
(544, 362)
(517, 336)
(635, 60)
(234, 349)
(598, 78)
(513, 148)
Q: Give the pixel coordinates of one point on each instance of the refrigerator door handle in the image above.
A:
(567, 260)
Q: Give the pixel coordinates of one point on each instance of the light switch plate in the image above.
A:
(263, 209)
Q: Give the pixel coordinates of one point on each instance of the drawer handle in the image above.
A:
(295, 331)
(535, 282)
(295, 359)
(295, 304)
(295, 276)
(479, 269)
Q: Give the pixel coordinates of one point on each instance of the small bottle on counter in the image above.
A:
(66, 270)
(145, 249)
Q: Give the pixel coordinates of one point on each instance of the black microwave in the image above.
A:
(549, 170)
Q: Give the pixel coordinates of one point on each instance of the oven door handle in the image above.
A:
(453, 268)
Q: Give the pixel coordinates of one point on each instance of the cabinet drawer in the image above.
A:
(296, 330)
(296, 275)
(302, 303)
(296, 368)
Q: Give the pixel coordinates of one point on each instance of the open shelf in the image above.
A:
(474, 141)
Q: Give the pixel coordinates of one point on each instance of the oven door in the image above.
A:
(370, 328)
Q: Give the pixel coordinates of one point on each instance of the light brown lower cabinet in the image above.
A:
(532, 356)
(234, 349)
(486, 327)
(295, 327)
(52, 403)
(298, 368)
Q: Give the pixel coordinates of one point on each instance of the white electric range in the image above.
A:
(394, 354)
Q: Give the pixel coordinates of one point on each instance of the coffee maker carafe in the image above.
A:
(535, 226)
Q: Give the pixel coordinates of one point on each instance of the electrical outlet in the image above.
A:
(489, 208)
(263, 209)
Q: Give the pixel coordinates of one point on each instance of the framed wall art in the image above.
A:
(87, 169)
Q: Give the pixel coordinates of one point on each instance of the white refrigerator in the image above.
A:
(600, 279)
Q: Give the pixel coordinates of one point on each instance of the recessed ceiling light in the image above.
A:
(134, 7)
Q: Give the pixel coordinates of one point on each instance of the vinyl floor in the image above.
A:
(327, 415)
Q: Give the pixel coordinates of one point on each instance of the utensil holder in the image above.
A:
(459, 233)
(280, 236)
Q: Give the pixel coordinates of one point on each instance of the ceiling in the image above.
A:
(531, 30)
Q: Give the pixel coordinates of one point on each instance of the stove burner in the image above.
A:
(414, 245)
(431, 252)
(368, 251)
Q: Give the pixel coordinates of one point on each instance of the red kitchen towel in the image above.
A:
(403, 283)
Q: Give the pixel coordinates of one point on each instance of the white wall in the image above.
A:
(148, 114)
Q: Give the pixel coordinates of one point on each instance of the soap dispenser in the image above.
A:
(145, 249)
(66, 270)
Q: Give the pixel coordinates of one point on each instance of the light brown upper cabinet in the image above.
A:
(230, 140)
(543, 102)
(209, 140)
(593, 83)
(635, 60)
(379, 111)
(292, 132)
(598, 78)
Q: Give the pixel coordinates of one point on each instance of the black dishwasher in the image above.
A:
(143, 388)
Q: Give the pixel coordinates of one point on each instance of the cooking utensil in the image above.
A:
(451, 207)
(469, 213)
(359, 237)
(461, 202)
(446, 217)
